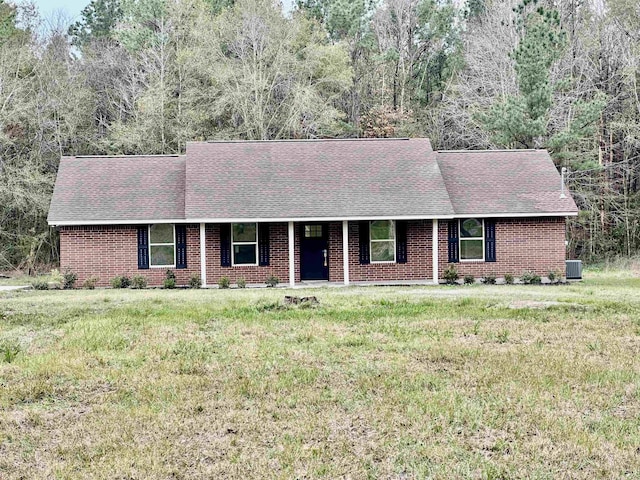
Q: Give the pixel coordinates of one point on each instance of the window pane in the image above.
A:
(313, 231)
(471, 249)
(383, 252)
(382, 230)
(161, 233)
(243, 254)
(471, 227)
(162, 255)
(244, 232)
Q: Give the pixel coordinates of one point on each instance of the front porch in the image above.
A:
(303, 254)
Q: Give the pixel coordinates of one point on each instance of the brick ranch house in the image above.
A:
(348, 211)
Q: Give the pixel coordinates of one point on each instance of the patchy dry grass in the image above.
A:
(440, 382)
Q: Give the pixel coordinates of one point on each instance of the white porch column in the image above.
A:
(292, 263)
(345, 251)
(203, 256)
(434, 250)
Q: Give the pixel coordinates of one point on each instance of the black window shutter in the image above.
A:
(401, 241)
(143, 247)
(454, 256)
(181, 246)
(489, 240)
(364, 243)
(263, 244)
(225, 244)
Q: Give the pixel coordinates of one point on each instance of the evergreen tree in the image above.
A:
(98, 20)
(8, 29)
(520, 120)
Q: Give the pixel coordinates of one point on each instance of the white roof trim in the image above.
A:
(515, 215)
(71, 223)
(309, 219)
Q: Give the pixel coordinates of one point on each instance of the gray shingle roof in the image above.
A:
(306, 179)
(491, 182)
(314, 179)
(94, 189)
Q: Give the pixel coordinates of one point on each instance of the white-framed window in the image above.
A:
(162, 245)
(382, 235)
(471, 239)
(244, 244)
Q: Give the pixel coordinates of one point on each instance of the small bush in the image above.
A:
(69, 279)
(9, 351)
(90, 283)
(195, 281)
(489, 280)
(530, 278)
(272, 281)
(508, 279)
(469, 279)
(451, 275)
(40, 285)
(169, 280)
(242, 283)
(224, 282)
(121, 281)
(55, 276)
(139, 282)
(554, 276)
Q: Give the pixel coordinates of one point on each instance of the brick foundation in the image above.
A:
(535, 244)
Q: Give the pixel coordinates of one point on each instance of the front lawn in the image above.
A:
(414, 382)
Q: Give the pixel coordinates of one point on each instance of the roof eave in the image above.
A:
(145, 221)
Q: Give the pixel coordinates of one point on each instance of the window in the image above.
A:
(162, 245)
(471, 239)
(383, 241)
(244, 239)
(313, 231)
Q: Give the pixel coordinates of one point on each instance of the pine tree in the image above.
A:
(98, 20)
(520, 120)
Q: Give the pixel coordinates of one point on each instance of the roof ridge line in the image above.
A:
(293, 140)
(493, 150)
(126, 156)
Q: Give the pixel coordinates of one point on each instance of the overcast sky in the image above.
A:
(69, 8)
(72, 8)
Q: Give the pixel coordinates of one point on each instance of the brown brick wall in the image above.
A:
(278, 258)
(535, 244)
(418, 266)
(108, 251)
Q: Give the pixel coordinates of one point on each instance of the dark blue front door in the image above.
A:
(314, 251)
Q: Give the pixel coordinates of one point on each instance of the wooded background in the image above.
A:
(146, 76)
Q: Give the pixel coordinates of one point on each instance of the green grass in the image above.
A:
(416, 382)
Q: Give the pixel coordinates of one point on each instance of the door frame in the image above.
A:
(325, 238)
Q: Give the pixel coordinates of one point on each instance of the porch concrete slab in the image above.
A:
(388, 283)
(325, 284)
